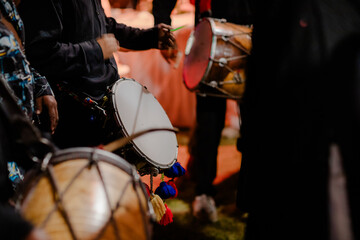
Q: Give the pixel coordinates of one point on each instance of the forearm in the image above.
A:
(42, 86)
(133, 38)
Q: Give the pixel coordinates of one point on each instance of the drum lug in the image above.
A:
(223, 62)
(225, 38)
(213, 84)
(154, 171)
(238, 78)
(201, 94)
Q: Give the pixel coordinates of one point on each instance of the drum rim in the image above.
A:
(212, 49)
(63, 155)
(124, 131)
(86, 152)
(212, 53)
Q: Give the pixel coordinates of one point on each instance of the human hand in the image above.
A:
(166, 37)
(50, 103)
(172, 55)
(108, 44)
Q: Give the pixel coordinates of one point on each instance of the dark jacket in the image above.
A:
(25, 81)
(300, 99)
(61, 42)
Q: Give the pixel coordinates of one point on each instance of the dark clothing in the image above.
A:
(61, 43)
(203, 147)
(13, 226)
(299, 99)
(162, 11)
(234, 11)
(80, 125)
(11, 145)
(210, 111)
(26, 83)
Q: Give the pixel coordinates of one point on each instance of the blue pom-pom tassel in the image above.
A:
(165, 191)
(175, 171)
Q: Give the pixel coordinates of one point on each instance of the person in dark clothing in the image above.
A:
(210, 120)
(210, 111)
(31, 90)
(12, 224)
(162, 10)
(71, 43)
(14, 227)
(301, 101)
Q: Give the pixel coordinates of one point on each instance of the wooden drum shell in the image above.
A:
(87, 193)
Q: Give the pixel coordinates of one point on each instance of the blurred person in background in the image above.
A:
(300, 112)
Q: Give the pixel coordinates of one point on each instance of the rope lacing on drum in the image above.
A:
(58, 196)
(223, 62)
(111, 219)
(226, 38)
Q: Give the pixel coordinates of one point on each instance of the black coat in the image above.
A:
(301, 96)
(61, 42)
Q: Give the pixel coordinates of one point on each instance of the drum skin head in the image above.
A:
(196, 61)
(215, 58)
(137, 110)
(81, 199)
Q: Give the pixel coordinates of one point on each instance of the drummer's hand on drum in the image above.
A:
(172, 55)
(166, 37)
(50, 103)
(108, 44)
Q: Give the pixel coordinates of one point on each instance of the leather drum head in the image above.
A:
(197, 54)
(138, 110)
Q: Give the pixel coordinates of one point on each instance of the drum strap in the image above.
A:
(24, 131)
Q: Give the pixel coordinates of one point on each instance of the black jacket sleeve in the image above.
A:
(13, 226)
(44, 46)
(133, 38)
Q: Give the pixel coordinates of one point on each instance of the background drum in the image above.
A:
(215, 58)
(132, 109)
(86, 193)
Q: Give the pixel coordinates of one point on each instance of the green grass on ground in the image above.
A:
(231, 224)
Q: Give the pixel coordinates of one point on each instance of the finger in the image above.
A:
(172, 37)
(57, 121)
(170, 43)
(38, 105)
(53, 118)
(165, 54)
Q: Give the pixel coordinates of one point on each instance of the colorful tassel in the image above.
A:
(158, 206)
(172, 184)
(165, 191)
(167, 218)
(176, 170)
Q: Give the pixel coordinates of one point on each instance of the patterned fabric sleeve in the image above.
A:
(42, 87)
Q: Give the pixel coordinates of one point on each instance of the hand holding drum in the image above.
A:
(108, 44)
(166, 37)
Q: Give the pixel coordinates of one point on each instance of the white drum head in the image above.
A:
(137, 110)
